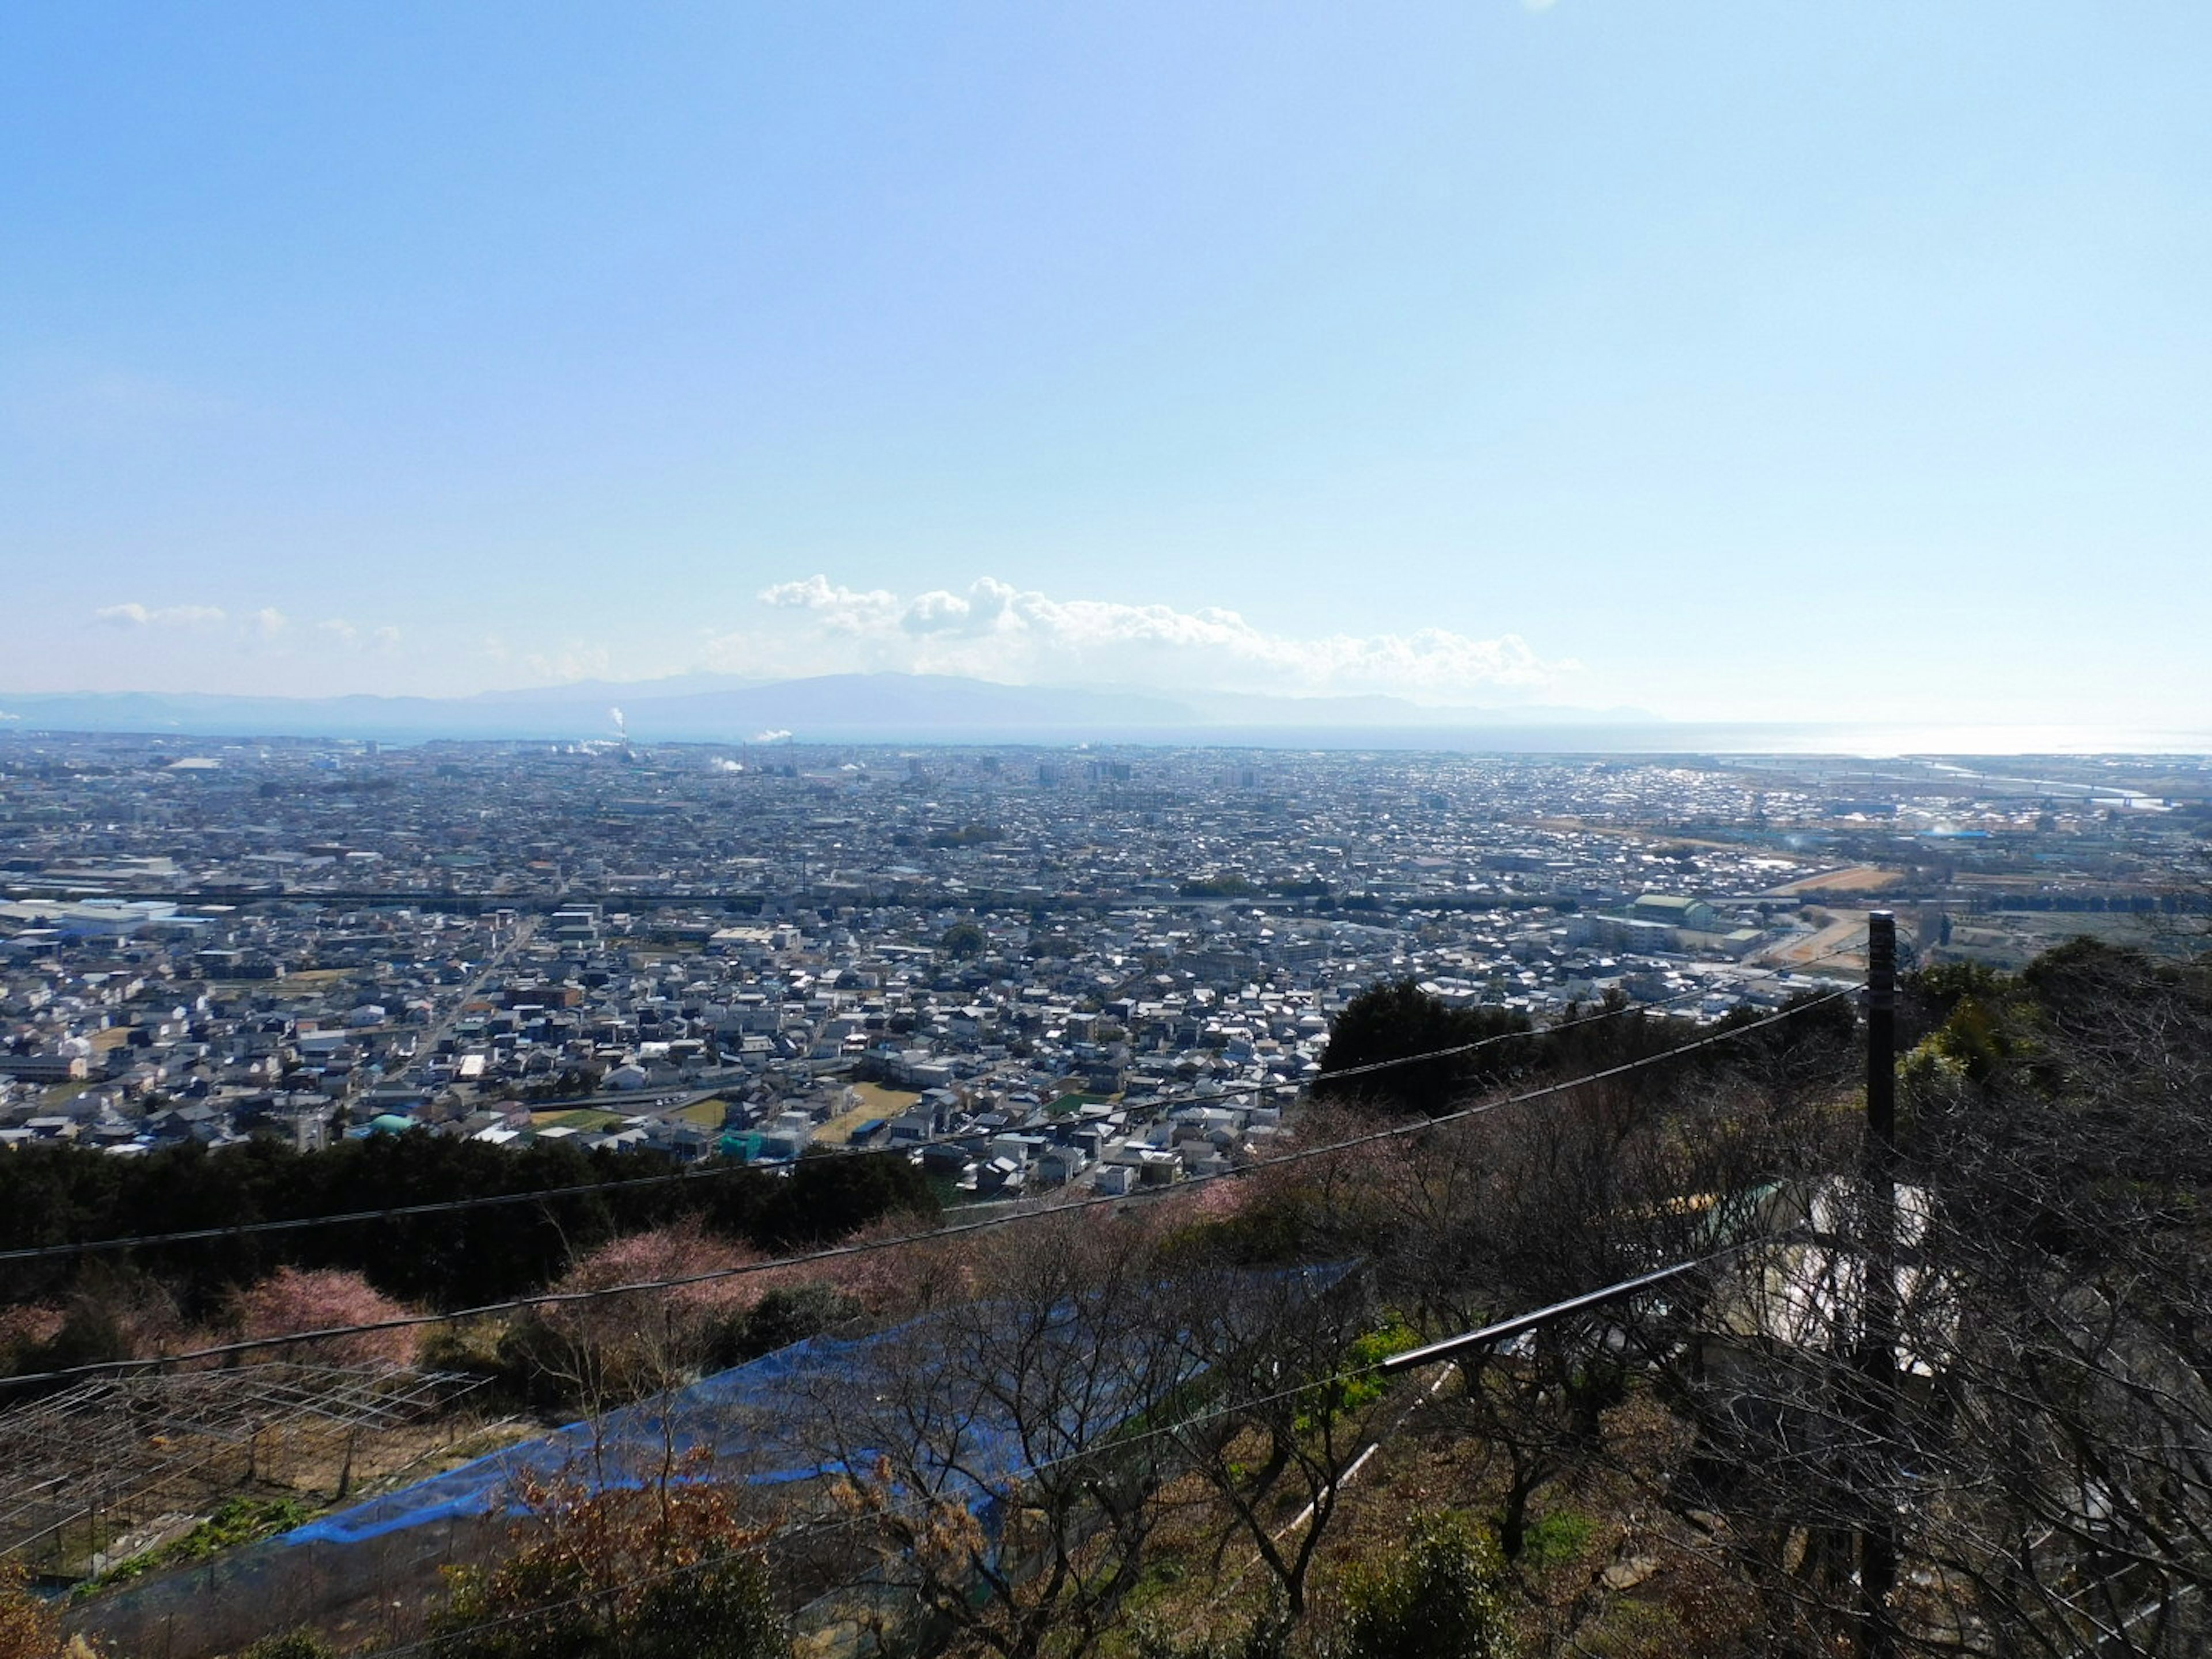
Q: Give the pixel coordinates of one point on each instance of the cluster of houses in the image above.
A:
(700, 950)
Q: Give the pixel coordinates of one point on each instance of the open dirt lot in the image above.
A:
(1859, 879)
(1838, 947)
(876, 1101)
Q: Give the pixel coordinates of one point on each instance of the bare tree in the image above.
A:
(2036, 1442)
(1530, 1206)
(1290, 1397)
(996, 1460)
(669, 1565)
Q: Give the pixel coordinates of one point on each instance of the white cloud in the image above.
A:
(354, 637)
(570, 659)
(842, 610)
(576, 659)
(993, 630)
(265, 627)
(134, 615)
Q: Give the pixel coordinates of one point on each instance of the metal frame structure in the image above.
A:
(81, 1467)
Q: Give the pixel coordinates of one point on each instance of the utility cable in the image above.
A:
(1107, 1446)
(400, 1211)
(863, 1247)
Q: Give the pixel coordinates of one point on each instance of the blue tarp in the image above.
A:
(753, 1421)
(747, 1409)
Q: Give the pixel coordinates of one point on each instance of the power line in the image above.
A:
(551, 1298)
(244, 1229)
(1113, 1445)
(393, 1213)
(816, 1529)
(838, 1252)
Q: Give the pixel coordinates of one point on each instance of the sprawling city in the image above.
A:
(426, 1163)
(1044, 962)
(1158, 832)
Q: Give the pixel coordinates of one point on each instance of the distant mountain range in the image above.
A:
(718, 709)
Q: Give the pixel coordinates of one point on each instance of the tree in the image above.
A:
(829, 1195)
(786, 1315)
(992, 1476)
(55, 1194)
(2035, 1444)
(664, 1570)
(1516, 1209)
(291, 1644)
(610, 1349)
(1441, 1599)
(290, 1300)
(1394, 1020)
(963, 940)
(1521, 1209)
(1290, 1355)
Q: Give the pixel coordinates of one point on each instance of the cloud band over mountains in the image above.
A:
(996, 631)
(989, 631)
(265, 624)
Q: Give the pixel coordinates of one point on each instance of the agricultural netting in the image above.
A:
(747, 1423)
(971, 1399)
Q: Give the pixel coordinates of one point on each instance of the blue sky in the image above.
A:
(1725, 360)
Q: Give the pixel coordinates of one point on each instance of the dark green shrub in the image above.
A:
(1440, 1599)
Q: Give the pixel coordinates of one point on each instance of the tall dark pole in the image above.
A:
(1878, 1547)
(1881, 1043)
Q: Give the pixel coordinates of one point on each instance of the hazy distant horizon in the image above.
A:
(1845, 366)
(1504, 735)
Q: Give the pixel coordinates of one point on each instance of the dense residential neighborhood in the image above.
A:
(1032, 967)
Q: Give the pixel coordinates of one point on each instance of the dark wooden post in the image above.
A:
(1878, 1353)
